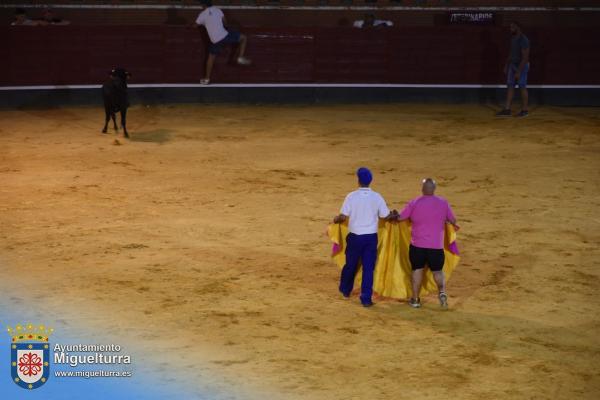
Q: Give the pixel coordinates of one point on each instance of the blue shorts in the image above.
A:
(232, 37)
(512, 70)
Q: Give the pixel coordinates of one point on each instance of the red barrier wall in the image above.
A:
(59, 55)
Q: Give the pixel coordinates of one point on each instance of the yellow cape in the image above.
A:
(393, 270)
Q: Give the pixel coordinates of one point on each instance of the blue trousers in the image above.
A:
(359, 248)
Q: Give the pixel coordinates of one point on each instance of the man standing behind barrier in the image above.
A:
(428, 214)
(516, 70)
(213, 19)
(363, 207)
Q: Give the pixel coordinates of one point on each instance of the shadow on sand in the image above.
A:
(155, 136)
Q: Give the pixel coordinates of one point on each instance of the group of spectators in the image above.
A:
(369, 21)
(48, 18)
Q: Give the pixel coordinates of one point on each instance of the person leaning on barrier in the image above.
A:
(22, 19)
(213, 19)
(369, 21)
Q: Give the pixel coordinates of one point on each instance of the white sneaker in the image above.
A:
(204, 81)
(415, 303)
(243, 61)
(443, 300)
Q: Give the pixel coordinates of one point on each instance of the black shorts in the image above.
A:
(233, 37)
(419, 257)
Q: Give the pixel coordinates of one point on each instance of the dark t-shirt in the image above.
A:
(517, 44)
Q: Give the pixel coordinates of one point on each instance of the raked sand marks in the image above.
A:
(229, 253)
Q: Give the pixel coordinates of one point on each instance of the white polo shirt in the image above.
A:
(364, 207)
(212, 19)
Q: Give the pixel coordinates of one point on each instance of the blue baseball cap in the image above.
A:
(364, 176)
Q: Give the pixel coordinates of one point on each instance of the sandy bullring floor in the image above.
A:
(203, 238)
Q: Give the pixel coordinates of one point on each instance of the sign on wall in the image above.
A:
(471, 18)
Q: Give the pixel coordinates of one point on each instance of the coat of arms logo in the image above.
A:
(30, 355)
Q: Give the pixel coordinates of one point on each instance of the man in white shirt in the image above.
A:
(213, 20)
(363, 207)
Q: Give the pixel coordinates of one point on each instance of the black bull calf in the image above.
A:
(114, 93)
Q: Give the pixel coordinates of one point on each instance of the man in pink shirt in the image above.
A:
(428, 215)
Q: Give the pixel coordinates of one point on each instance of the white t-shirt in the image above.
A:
(364, 207)
(212, 19)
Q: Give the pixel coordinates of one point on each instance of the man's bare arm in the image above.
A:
(524, 59)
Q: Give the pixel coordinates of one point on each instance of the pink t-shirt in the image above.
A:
(428, 215)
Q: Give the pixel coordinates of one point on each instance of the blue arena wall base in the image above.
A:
(47, 98)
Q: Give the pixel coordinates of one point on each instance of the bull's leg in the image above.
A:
(124, 121)
(114, 121)
(107, 117)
